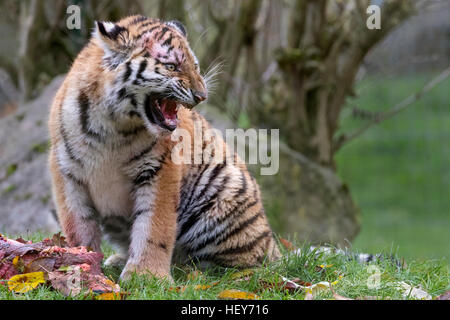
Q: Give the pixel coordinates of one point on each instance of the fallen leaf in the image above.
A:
(112, 296)
(412, 292)
(22, 283)
(337, 296)
(45, 264)
(285, 284)
(196, 287)
(237, 294)
(205, 286)
(178, 289)
(322, 267)
(244, 274)
(59, 240)
(445, 296)
(194, 275)
(309, 296)
(301, 282)
(287, 244)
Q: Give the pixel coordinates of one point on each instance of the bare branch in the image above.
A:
(344, 139)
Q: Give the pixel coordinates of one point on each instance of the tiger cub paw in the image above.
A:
(116, 260)
(128, 271)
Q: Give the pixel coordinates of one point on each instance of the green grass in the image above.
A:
(398, 171)
(431, 275)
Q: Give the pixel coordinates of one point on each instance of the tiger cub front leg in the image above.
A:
(78, 218)
(154, 227)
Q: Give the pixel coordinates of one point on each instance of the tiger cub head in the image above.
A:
(153, 63)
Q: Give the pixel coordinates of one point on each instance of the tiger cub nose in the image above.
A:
(199, 96)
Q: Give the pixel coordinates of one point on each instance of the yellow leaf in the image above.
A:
(178, 289)
(237, 294)
(205, 286)
(194, 275)
(242, 274)
(15, 261)
(22, 283)
(112, 296)
(196, 287)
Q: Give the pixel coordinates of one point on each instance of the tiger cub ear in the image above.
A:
(178, 26)
(112, 37)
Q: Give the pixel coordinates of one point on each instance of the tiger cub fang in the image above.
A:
(111, 125)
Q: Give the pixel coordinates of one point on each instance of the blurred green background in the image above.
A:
(399, 171)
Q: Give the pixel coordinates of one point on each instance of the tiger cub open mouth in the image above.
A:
(162, 111)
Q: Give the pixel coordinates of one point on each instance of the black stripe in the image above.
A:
(122, 94)
(141, 69)
(137, 20)
(68, 147)
(84, 104)
(194, 215)
(133, 100)
(143, 152)
(70, 176)
(245, 248)
(138, 213)
(160, 245)
(147, 24)
(213, 175)
(133, 113)
(145, 177)
(163, 32)
(92, 214)
(243, 206)
(240, 227)
(127, 72)
(239, 208)
(168, 41)
(132, 132)
(190, 187)
(114, 33)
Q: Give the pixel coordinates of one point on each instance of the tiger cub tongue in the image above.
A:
(169, 110)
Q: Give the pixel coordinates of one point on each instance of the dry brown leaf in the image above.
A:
(69, 269)
(337, 296)
(301, 282)
(59, 240)
(285, 284)
(287, 244)
(45, 264)
(237, 295)
(445, 296)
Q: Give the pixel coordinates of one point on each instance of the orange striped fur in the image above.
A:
(111, 125)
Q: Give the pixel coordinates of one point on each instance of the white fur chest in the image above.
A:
(109, 188)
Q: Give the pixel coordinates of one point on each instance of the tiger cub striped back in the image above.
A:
(112, 126)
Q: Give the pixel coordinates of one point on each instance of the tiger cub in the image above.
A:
(113, 172)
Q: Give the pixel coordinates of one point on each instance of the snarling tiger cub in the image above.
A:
(111, 126)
